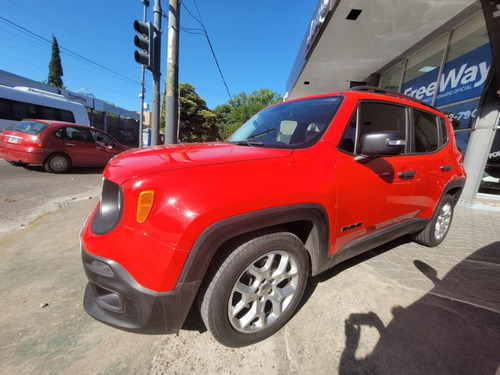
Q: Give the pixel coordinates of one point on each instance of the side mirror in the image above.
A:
(382, 144)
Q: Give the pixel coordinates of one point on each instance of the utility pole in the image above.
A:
(141, 118)
(155, 120)
(172, 77)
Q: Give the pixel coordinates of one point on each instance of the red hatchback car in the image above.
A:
(57, 145)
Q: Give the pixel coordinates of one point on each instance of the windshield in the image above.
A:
(293, 124)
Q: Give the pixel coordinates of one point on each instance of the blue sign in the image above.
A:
(463, 78)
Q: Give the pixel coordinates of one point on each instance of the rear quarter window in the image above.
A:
(426, 132)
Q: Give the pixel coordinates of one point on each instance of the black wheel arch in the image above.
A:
(308, 221)
(453, 188)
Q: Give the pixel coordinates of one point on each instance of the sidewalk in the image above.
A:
(400, 309)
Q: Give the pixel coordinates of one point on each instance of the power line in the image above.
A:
(204, 32)
(57, 25)
(68, 50)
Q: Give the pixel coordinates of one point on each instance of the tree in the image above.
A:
(55, 66)
(238, 110)
(197, 122)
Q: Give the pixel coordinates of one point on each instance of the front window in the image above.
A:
(372, 117)
(294, 124)
(102, 138)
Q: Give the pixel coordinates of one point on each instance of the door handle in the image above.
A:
(70, 144)
(406, 175)
(446, 168)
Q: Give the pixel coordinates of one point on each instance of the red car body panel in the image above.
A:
(183, 209)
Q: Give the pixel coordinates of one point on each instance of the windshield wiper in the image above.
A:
(250, 143)
(261, 134)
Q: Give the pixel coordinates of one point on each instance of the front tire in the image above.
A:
(57, 163)
(437, 229)
(255, 290)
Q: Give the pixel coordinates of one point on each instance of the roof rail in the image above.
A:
(379, 90)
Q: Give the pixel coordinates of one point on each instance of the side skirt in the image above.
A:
(373, 240)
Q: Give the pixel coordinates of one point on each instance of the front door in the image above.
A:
(372, 194)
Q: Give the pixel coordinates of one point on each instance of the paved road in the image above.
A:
(401, 308)
(27, 193)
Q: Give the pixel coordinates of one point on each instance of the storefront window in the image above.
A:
(467, 65)
(392, 79)
(462, 115)
(422, 71)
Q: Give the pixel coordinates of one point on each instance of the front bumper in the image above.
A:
(113, 297)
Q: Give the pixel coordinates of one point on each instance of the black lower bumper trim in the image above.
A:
(116, 299)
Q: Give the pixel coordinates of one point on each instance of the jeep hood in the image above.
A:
(147, 160)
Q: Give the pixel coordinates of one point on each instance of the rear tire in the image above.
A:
(255, 290)
(437, 229)
(57, 163)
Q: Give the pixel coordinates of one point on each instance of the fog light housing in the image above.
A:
(102, 268)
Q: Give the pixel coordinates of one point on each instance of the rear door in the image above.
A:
(434, 164)
(372, 194)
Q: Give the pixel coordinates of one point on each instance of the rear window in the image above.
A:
(28, 127)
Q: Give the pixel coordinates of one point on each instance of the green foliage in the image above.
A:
(238, 110)
(55, 66)
(200, 124)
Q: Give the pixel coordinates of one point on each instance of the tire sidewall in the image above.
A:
(432, 228)
(216, 299)
(48, 167)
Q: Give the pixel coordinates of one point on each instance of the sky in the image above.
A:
(255, 42)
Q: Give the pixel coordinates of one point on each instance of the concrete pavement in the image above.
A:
(400, 309)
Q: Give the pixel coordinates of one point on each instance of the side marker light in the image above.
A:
(144, 205)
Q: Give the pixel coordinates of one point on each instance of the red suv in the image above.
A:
(57, 145)
(241, 225)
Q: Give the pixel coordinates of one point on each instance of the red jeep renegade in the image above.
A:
(241, 225)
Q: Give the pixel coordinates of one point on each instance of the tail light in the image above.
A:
(35, 141)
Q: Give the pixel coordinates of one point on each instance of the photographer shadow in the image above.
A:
(453, 329)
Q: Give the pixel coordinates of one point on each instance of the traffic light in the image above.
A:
(145, 44)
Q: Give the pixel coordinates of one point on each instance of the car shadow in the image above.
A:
(452, 329)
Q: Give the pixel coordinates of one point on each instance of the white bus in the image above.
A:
(17, 103)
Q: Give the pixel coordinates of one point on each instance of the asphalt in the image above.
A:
(399, 309)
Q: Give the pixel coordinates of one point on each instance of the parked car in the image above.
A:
(241, 225)
(57, 145)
